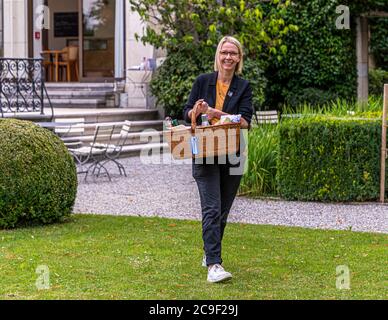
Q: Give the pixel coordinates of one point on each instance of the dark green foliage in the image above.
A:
(362, 6)
(38, 180)
(319, 56)
(190, 30)
(174, 79)
(254, 72)
(304, 56)
(312, 96)
(379, 41)
(329, 159)
(377, 79)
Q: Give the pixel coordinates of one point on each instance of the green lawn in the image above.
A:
(106, 257)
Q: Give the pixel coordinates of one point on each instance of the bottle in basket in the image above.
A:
(205, 120)
(167, 123)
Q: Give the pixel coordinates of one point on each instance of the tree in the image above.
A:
(191, 29)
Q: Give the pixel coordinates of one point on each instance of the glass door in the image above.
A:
(97, 39)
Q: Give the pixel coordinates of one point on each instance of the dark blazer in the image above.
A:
(238, 99)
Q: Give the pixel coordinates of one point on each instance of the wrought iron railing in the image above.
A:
(22, 86)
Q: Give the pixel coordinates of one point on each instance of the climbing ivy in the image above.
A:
(379, 41)
(321, 59)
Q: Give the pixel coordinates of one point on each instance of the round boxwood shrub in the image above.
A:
(38, 178)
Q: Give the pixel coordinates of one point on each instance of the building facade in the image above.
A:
(102, 30)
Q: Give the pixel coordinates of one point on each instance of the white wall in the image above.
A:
(135, 51)
(15, 29)
(37, 43)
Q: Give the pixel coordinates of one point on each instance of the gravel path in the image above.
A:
(166, 188)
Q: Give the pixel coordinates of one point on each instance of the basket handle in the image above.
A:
(194, 118)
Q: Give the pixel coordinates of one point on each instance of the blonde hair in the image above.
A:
(237, 43)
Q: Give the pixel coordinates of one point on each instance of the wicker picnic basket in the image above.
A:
(213, 140)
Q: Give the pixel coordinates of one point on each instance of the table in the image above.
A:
(55, 61)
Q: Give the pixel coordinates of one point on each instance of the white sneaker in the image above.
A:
(217, 274)
(204, 261)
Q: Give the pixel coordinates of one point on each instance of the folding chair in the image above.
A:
(114, 150)
(70, 133)
(96, 153)
(267, 117)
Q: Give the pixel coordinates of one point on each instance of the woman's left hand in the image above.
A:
(213, 113)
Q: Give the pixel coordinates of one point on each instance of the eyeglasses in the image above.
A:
(226, 53)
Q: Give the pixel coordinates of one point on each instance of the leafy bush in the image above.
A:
(379, 41)
(310, 96)
(329, 159)
(174, 79)
(319, 55)
(254, 72)
(377, 79)
(260, 179)
(38, 180)
(190, 30)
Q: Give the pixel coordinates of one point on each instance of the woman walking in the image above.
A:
(215, 94)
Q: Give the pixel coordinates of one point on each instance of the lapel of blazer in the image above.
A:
(231, 92)
(212, 90)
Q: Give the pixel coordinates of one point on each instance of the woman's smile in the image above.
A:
(229, 56)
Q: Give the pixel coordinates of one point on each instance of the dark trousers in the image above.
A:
(217, 190)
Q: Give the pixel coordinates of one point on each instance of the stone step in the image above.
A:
(29, 116)
(105, 115)
(82, 95)
(76, 103)
(139, 132)
(138, 137)
(68, 94)
(76, 86)
(143, 118)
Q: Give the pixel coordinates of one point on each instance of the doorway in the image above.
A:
(88, 26)
(97, 41)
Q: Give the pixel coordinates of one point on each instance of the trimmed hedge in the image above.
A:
(329, 159)
(38, 179)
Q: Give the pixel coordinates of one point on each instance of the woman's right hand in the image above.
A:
(200, 107)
